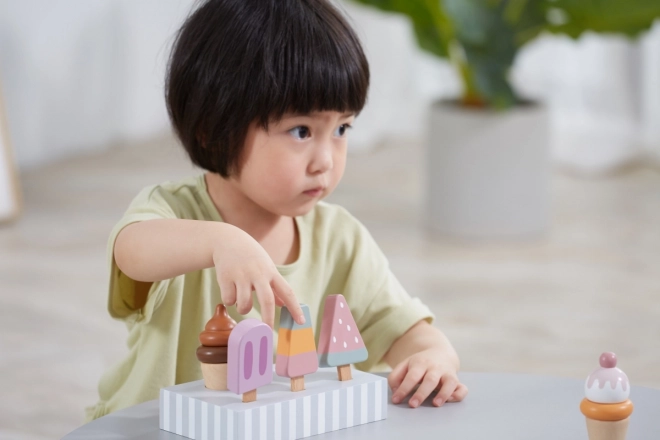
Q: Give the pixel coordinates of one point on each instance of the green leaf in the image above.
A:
(628, 17)
(488, 34)
(431, 25)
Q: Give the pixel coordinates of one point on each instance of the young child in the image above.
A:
(261, 94)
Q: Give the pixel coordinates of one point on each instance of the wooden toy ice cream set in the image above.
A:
(301, 400)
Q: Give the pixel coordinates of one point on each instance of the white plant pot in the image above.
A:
(488, 172)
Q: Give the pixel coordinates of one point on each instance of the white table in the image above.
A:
(498, 407)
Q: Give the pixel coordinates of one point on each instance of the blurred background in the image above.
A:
(507, 163)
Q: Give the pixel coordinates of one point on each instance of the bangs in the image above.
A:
(312, 62)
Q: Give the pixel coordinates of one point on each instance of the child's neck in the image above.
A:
(276, 233)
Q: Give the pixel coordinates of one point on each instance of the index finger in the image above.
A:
(266, 301)
(283, 291)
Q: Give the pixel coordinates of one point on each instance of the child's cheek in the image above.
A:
(338, 170)
(282, 178)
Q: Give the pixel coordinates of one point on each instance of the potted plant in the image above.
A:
(488, 150)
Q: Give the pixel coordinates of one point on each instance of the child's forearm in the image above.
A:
(422, 336)
(155, 250)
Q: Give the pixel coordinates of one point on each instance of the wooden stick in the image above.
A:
(250, 396)
(344, 372)
(298, 383)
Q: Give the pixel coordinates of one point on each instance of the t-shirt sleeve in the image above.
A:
(382, 308)
(127, 297)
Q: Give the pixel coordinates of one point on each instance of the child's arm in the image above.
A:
(424, 356)
(155, 250)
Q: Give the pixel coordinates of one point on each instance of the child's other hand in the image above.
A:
(242, 266)
(431, 370)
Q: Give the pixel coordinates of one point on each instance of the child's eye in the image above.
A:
(300, 132)
(341, 130)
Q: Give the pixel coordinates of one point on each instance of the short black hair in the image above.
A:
(237, 62)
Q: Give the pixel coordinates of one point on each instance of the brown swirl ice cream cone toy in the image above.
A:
(213, 351)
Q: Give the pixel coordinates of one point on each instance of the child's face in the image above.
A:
(297, 162)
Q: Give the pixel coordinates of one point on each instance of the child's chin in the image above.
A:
(301, 209)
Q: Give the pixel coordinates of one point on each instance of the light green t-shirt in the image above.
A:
(337, 255)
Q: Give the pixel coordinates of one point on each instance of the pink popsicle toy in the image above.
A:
(250, 358)
(296, 350)
(340, 343)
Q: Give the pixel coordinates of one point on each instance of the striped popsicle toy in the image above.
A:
(296, 350)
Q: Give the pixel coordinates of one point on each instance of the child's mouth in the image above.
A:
(314, 192)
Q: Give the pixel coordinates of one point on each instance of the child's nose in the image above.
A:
(322, 160)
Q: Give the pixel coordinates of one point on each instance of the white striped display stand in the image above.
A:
(325, 405)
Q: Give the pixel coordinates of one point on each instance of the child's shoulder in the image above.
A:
(172, 188)
(184, 198)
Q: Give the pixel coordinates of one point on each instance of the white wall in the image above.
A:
(592, 88)
(651, 92)
(78, 75)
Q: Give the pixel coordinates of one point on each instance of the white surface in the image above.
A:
(499, 407)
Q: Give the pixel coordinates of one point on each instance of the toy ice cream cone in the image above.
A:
(213, 352)
(215, 376)
(606, 405)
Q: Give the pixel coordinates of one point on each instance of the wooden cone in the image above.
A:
(250, 396)
(600, 430)
(298, 383)
(344, 372)
(215, 376)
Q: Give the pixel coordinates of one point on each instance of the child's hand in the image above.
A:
(242, 266)
(431, 370)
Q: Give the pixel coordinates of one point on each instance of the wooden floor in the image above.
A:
(547, 307)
